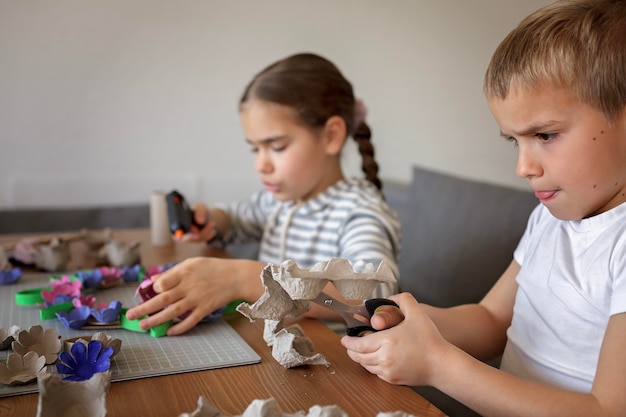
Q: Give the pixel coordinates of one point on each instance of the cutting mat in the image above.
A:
(207, 346)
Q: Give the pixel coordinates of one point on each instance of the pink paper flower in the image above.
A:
(63, 286)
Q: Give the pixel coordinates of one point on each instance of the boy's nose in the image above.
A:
(527, 163)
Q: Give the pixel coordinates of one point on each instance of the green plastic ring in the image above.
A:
(51, 312)
(30, 297)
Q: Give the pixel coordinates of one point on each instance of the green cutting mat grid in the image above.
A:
(207, 346)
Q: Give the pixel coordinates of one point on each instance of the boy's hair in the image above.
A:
(316, 90)
(578, 45)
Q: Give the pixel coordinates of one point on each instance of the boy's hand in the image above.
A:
(386, 316)
(404, 351)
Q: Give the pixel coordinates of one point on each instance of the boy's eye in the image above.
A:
(545, 137)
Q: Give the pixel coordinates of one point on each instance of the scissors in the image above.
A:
(366, 310)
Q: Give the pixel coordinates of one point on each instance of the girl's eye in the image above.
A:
(512, 139)
(545, 137)
(279, 148)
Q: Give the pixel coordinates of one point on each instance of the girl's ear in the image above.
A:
(334, 135)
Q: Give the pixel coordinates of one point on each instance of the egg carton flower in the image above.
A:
(102, 337)
(44, 343)
(63, 286)
(75, 318)
(21, 369)
(158, 269)
(82, 362)
(10, 276)
(7, 336)
(133, 273)
(108, 314)
(90, 279)
(84, 300)
(110, 276)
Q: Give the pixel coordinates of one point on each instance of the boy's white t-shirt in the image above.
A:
(572, 279)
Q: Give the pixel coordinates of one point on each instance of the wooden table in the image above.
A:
(345, 383)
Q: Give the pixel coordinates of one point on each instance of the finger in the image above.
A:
(153, 320)
(385, 317)
(361, 344)
(167, 280)
(185, 325)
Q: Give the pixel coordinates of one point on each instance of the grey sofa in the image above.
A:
(458, 236)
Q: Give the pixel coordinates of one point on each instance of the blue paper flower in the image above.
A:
(10, 276)
(108, 314)
(132, 273)
(84, 361)
(76, 318)
(90, 279)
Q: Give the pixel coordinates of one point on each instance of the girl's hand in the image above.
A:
(202, 228)
(198, 286)
(407, 353)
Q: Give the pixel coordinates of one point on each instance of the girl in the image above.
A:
(296, 114)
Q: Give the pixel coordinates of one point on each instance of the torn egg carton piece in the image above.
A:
(267, 408)
(303, 284)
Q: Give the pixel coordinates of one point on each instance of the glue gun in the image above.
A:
(179, 214)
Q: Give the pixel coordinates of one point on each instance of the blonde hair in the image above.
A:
(579, 45)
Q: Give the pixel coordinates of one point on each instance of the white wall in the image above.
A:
(103, 101)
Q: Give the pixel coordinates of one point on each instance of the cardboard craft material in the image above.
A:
(7, 336)
(102, 337)
(58, 398)
(21, 369)
(288, 290)
(45, 343)
(267, 408)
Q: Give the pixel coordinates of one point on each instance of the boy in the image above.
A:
(557, 87)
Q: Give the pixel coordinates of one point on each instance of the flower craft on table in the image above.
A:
(82, 315)
(65, 288)
(21, 369)
(45, 343)
(10, 276)
(75, 318)
(84, 361)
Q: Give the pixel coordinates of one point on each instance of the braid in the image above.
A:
(363, 135)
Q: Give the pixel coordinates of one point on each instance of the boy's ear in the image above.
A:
(334, 134)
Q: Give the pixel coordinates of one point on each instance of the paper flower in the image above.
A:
(76, 318)
(84, 300)
(132, 273)
(8, 336)
(44, 343)
(110, 276)
(84, 361)
(102, 337)
(90, 279)
(62, 286)
(145, 290)
(108, 314)
(21, 369)
(10, 276)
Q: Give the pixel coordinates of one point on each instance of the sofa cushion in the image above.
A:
(458, 236)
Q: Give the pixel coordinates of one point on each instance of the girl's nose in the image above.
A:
(528, 164)
(263, 162)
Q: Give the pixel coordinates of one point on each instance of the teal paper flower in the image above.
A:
(84, 361)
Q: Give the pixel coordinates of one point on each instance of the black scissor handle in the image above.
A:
(370, 305)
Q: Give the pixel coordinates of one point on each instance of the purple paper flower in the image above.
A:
(108, 314)
(76, 318)
(91, 279)
(132, 273)
(10, 276)
(84, 361)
